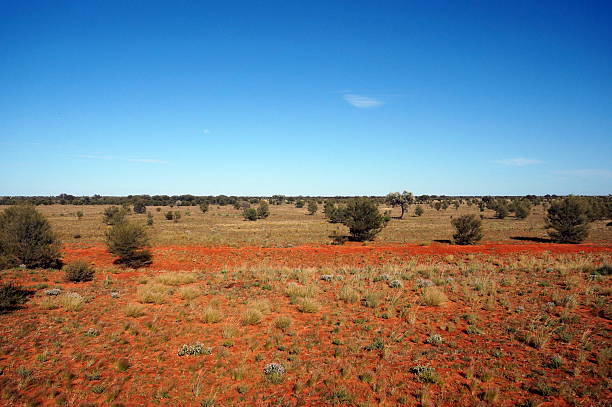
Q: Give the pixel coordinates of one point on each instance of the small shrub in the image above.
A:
(249, 214)
(149, 219)
(134, 310)
(308, 305)
(274, 372)
(433, 297)
(71, 301)
(469, 229)
(425, 374)
(195, 349)
(363, 219)
(79, 271)
(113, 215)
(312, 207)
(211, 315)
(418, 211)
(348, 294)
(169, 215)
(435, 339)
(12, 296)
(263, 210)
(128, 241)
(139, 207)
(189, 293)
(176, 279)
(568, 220)
(251, 317)
(152, 294)
(26, 238)
(282, 323)
(204, 207)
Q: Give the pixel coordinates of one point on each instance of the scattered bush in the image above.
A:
(139, 207)
(79, 271)
(113, 215)
(249, 214)
(402, 200)
(152, 294)
(469, 229)
(433, 297)
(12, 296)
(149, 219)
(263, 210)
(521, 208)
(26, 238)
(363, 219)
(501, 209)
(195, 349)
(418, 211)
(300, 203)
(128, 241)
(312, 207)
(211, 315)
(204, 207)
(568, 219)
(425, 374)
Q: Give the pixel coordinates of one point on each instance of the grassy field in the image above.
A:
(289, 226)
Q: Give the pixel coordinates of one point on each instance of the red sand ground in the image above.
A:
(213, 258)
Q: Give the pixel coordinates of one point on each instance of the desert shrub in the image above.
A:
(139, 207)
(12, 296)
(152, 294)
(177, 278)
(79, 214)
(169, 215)
(211, 315)
(263, 210)
(348, 294)
(568, 220)
(249, 214)
(26, 238)
(521, 208)
(469, 229)
(308, 305)
(251, 316)
(79, 271)
(312, 207)
(149, 219)
(128, 241)
(134, 310)
(501, 209)
(363, 219)
(418, 211)
(433, 297)
(300, 203)
(113, 215)
(204, 207)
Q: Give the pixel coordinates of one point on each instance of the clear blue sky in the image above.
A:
(305, 97)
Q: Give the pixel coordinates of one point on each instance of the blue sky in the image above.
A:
(311, 98)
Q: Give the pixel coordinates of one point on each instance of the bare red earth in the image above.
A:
(214, 258)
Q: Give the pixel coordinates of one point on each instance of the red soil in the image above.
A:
(214, 258)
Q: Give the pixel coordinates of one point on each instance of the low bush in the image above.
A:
(249, 214)
(79, 271)
(363, 219)
(128, 241)
(113, 215)
(469, 229)
(568, 220)
(263, 210)
(26, 238)
(12, 296)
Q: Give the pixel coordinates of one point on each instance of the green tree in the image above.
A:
(521, 208)
(249, 214)
(263, 210)
(312, 207)
(204, 207)
(139, 207)
(418, 211)
(26, 238)
(128, 241)
(468, 229)
(403, 200)
(363, 219)
(568, 219)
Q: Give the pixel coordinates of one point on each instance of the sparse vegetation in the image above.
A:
(79, 271)
(128, 241)
(468, 229)
(26, 238)
(568, 220)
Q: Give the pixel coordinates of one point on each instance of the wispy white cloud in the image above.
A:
(206, 131)
(518, 162)
(95, 157)
(147, 160)
(360, 101)
(590, 172)
(110, 157)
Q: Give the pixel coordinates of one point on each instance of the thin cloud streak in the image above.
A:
(518, 162)
(132, 160)
(361, 102)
